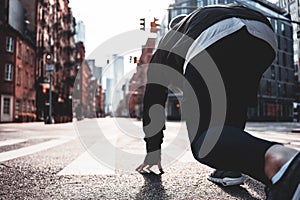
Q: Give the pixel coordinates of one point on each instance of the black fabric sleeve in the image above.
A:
(156, 94)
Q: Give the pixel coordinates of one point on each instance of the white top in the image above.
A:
(226, 27)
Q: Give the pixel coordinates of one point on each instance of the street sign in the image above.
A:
(49, 67)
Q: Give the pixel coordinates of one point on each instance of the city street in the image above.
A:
(66, 161)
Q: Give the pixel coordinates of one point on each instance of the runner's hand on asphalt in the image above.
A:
(147, 166)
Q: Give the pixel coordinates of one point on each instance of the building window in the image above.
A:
(9, 44)
(32, 106)
(273, 72)
(275, 26)
(19, 75)
(30, 82)
(286, 75)
(278, 44)
(31, 59)
(282, 28)
(292, 6)
(264, 108)
(6, 106)
(285, 44)
(8, 72)
(284, 62)
(200, 3)
(269, 88)
(27, 56)
(31, 78)
(24, 106)
(18, 104)
(184, 10)
(279, 74)
(20, 50)
(26, 80)
(29, 106)
(270, 109)
(284, 90)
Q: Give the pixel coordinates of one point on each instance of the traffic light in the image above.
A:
(135, 60)
(154, 26)
(44, 90)
(48, 58)
(142, 23)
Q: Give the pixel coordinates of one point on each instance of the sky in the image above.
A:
(105, 19)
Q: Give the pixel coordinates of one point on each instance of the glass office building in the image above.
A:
(276, 91)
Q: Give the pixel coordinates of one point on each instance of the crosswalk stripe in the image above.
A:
(9, 155)
(85, 164)
(11, 142)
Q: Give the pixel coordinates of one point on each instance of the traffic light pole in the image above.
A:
(49, 70)
(50, 99)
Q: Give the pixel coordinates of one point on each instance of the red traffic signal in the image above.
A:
(154, 26)
(44, 90)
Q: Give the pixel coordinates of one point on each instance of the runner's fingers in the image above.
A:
(160, 167)
(141, 167)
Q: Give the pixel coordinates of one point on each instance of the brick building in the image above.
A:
(55, 38)
(17, 61)
(31, 32)
(81, 96)
(138, 81)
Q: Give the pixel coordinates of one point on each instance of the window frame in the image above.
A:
(10, 44)
(19, 76)
(20, 49)
(8, 72)
(6, 107)
(18, 106)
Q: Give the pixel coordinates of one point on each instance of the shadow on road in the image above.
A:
(239, 192)
(243, 193)
(152, 188)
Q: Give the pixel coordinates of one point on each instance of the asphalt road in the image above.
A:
(61, 161)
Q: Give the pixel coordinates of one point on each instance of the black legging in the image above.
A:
(241, 59)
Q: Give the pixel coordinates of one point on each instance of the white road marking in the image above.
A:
(11, 142)
(85, 164)
(9, 155)
(187, 157)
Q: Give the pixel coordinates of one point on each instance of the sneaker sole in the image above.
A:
(227, 181)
